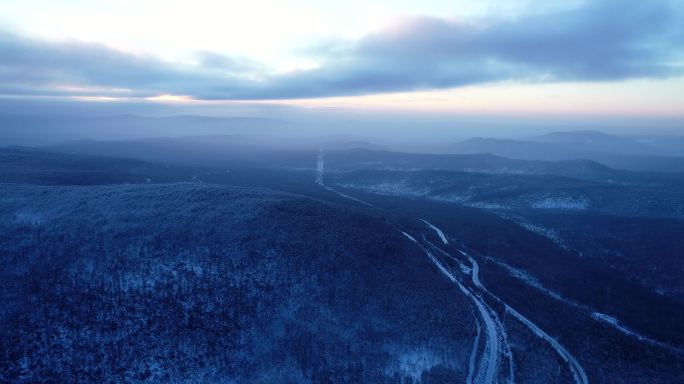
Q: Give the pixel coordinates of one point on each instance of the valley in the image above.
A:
(531, 307)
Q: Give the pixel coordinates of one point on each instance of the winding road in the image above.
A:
(487, 369)
(496, 347)
(578, 373)
(320, 166)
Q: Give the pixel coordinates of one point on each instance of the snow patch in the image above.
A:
(413, 363)
(409, 237)
(30, 218)
(453, 197)
(531, 281)
(561, 202)
(439, 231)
(615, 323)
(485, 205)
(549, 233)
(391, 188)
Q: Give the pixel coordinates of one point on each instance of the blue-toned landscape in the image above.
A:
(318, 192)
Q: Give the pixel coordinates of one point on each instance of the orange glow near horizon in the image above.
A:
(171, 98)
(655, 98)
(642, 98)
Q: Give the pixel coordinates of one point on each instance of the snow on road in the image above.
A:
(319, 168)
(442, 268)
(531, 281)
(439, 231)
(490, 346)
(600, 317)
(577, 371)
(319, 180)
(476, 273)
(475, 277)
(575, 368)
(615, 323)
(496, 344)
(489, 362)
(473, 354)
(409, 237)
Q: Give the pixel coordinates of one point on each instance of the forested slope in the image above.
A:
(188, 282)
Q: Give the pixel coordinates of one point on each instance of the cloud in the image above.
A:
(37, 67)
(601, 41)
(238, 66)
(604, 40)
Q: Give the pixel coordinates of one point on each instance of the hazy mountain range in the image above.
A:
(231, 257)
(644, 153)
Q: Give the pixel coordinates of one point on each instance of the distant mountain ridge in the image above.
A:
(223, 150)
(37, 166)
(46, 130)
(478, 162)
(614, 151)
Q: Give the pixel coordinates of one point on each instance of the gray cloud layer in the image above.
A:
(600, 41)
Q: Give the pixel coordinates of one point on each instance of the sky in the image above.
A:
(514, 57)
